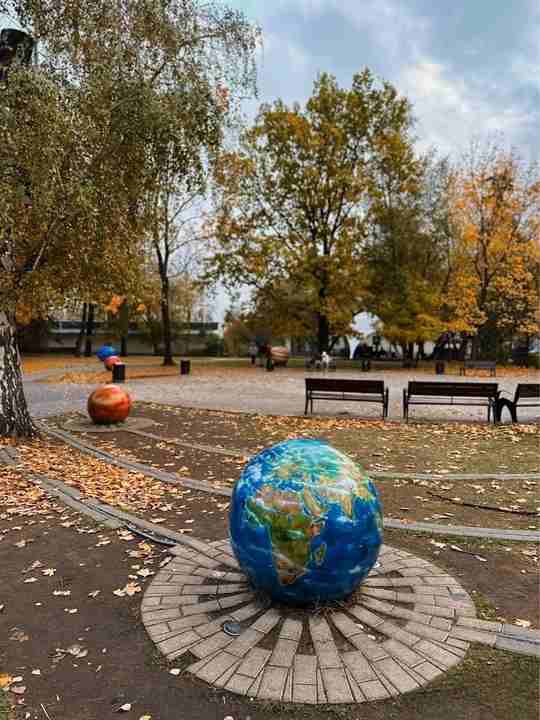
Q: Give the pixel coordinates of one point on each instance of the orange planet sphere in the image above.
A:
(109, 404)
(280, 355)
(110, 361)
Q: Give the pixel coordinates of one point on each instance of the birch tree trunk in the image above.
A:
(15, 420)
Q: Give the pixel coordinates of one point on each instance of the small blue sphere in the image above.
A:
(106, 351)
(305, 522)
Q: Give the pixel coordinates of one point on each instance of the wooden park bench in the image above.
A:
(490, 365)
(316, 364)
(346, 390)
(526, 395)
(451, 393)
(382, 363)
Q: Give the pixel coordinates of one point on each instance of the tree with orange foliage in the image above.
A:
(495, 255)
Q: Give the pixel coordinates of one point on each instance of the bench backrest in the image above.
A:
(528, 390)
(453, 389)
(486, 364)
(375, 387)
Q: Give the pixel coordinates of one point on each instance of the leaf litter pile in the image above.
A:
(176, 507)
(434, 449)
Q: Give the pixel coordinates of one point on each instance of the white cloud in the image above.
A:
(450, 111)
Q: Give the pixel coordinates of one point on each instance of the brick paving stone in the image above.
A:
(287, 693)
(233, 600)
(394, 631)
(358, 666)
(327, 654)
(247, 611)
(209, 628)
(268, 621)
(374, 690)
(254, 662)
(427, 670)
(365, 616)
(461, 644)
(178, 642)
(444, 612)
(242, 644)
(442, 658)
(209, 606)
(162, 590)
(402, 652)
(305, 669)
(320, 630)
(188, 622)
(379, 593)
(321, 694)
(523, 647)
(336, 686)
(254, 689)
(291, 629)
(472, 635)
(227, 675)
(377, 582)
(284, 652)
(199, 589)
(151, 601)
(357, 694)
(441, 623)
(346, 626)
(371, 649)
(212, 670)
(239, 684)
(305, 694)
(234, 577)
(519, 632)
(211, 644)
(400, 679)
(231, 588)
(213, 574)
(427, 631)
(158, 616)
(272, 683)
(478, 624)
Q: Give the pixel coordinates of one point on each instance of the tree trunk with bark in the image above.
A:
(323, 333)
(15, 420)
(80, 336)
(166, 322)
(89, 330)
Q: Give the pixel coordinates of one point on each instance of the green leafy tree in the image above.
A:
(293, 205)
(83, 135)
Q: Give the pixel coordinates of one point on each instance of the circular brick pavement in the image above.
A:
(408, 623)
(84, 425)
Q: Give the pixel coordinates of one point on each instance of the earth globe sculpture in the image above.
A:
(106, 351)
(305, 522)
(109, 404)
(110, 361)
(279, 354)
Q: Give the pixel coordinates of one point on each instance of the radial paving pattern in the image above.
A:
(409, 623)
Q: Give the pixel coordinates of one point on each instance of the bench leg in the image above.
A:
(307, 401)
(405, 405)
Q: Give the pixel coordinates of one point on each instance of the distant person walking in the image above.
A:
(252, 350)
(325, 360)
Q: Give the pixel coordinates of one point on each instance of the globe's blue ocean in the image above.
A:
(305, 522)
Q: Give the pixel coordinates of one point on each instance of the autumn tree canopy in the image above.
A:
(293, 205)
(495, 256)
(119, 87)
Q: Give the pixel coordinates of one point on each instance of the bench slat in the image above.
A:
(454, 389)
(345, 385)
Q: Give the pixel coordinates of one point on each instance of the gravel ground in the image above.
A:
(254, 390)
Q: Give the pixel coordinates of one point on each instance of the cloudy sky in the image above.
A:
(471, 68)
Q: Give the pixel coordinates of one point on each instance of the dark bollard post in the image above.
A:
(185, 367)
(366, 365)
(439, 368)
(118, 373)
(269, 363)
